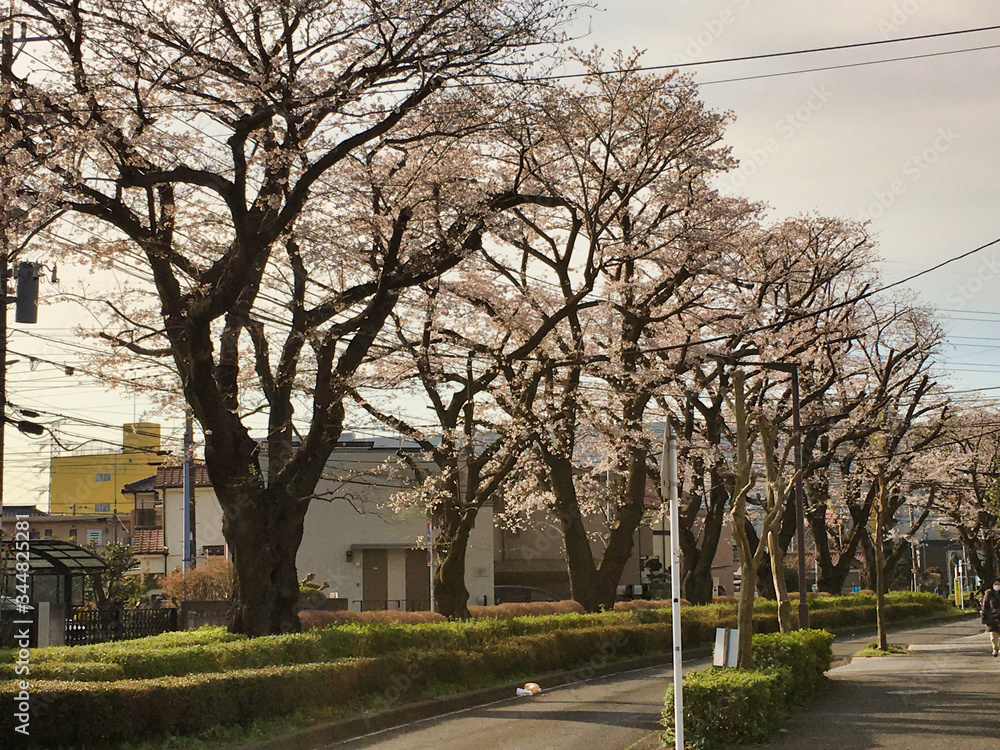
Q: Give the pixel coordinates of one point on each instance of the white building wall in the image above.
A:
(208, 524)
(349, 516)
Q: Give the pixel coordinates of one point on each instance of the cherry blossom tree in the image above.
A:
(630, 156)
(967, 494)
(147, 118)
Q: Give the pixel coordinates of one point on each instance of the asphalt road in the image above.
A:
(622, 712)
(609, 713)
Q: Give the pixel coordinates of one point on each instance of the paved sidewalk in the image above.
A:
(944, 694)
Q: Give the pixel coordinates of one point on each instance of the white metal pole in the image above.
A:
(668, 488)
(430, 553)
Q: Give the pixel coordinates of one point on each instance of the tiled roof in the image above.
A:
(148, 541)
(147, 484)
(173, 476)
(23, 510)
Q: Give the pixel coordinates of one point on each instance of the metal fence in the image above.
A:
(396, 605)
(85, 626)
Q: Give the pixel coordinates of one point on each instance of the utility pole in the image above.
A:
(800, 531)
(6, 92)
(188, 545)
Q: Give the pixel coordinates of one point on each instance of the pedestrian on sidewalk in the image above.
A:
(991, 615)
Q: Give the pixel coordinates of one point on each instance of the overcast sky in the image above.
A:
(910, 145)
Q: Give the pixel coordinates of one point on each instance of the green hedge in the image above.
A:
(725, 707)
(210, 650)
(807, 654)
(740, 706)
(67, 713)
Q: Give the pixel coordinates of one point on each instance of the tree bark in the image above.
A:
(263, 531)
(883, 643)
(778, 575)
(451, 596)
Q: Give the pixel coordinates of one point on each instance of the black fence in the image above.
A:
(85, 626)
(397, 605)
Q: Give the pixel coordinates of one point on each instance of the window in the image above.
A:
(213, 550)
(94, 536)
(102, 507)
(102, 477)
(33, 535)
(72, 535)
(48, 533)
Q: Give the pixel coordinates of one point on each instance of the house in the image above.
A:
(369, 554)
(158, 519)
(95, 529)
(536, 555)
(89, 481)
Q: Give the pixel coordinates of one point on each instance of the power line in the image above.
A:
(788, 53)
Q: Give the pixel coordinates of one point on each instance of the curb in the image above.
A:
(358, 726)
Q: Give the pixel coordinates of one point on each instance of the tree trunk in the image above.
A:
(744, 616)
(777, 558)
(451, 597)
(579, 556)
(698, 579)
(263, 532)
(880, 567)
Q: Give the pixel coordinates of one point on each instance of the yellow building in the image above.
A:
(83, 481)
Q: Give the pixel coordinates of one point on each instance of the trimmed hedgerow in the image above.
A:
(71, 712)
(740, 706)
(807, 654)
(212, 649)
(729, 706)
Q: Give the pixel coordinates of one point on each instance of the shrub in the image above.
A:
(212, 581)
(635, 604)
(526, 609)
(312, 619)
(806, 653)
(738, 706)
(728, 707)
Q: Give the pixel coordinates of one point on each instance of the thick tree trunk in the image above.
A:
(263, 533)
(451, 596)
(698, 578)
(831, 579)
(596, 588)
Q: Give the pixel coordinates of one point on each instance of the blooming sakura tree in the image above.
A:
(629, 157)
(900, 416)
(151, 116)
(966, 492)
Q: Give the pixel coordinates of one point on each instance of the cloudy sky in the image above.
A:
(910, 145)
